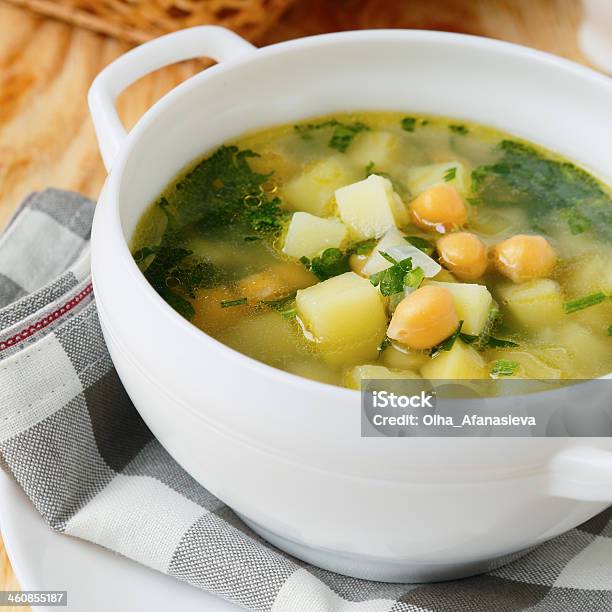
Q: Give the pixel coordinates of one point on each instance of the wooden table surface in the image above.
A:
(46, 67)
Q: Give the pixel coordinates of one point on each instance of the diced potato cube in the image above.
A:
(267, 337)
(556, 357)
(403, 358)
(421, 178)
(313, 190)
(308, 235)
(530, 366)
(355, 375)
(585, 346)
(276, 282)
(378, 148)
(345, 316)
(461, 362)
(589, 274)
(370, 207)
(472, 302)
(394, 244)
(533, 304)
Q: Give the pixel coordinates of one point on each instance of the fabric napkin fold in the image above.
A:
(71, 438)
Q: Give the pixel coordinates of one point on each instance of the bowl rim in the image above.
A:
(114, 182)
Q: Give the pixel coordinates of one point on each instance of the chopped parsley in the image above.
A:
(458, 128)
(175, 274)
(446, 345)
(484, 341)
(289, 313)
(392, 280)
(610, 330)
(468, 338)
(414, 278)
(331, 262)
(524, 177)
(584, 302)
(230, 303)
(220, 191)
(576, 222)
(285, 306)
(342, 133)
(408, 124)
(500, 342)
(369, 169)
(503, 367)
(363, 248)
(386, 341)
(450, 174)
(420, 243)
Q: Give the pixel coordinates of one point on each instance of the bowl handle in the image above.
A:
(215, 42)
(582, 473)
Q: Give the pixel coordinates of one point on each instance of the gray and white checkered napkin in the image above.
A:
(71, 438)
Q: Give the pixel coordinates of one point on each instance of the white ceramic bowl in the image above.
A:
(285, 452)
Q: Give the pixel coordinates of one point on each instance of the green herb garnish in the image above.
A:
(369, 169)
(391, 280)
(408, 124)
(503, 367)
(414, 278)
(450, 174)
(230, 303)
(386, 341)
(576, 222)
(285, 306)
(584, 302)
(363, 248)
(499, 342)
(331, 262)
(485, 341)
(446, 345)
(289, 313)
(220, 191)
(458, 128)
(420, 243)
(175, 274)
(524, 177)
(610, 330)
(342, 134)
(252, 238)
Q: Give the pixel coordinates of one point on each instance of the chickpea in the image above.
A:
(424, 318)
(464, 254)
(275, 282)
(210, 315)
(440, 209)
(522, 258)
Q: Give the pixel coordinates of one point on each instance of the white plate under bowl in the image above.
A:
(96, 579)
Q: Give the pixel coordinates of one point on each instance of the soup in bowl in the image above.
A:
(418, 183)
(382, 245)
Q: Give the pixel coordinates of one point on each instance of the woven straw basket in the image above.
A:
(137, 21)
